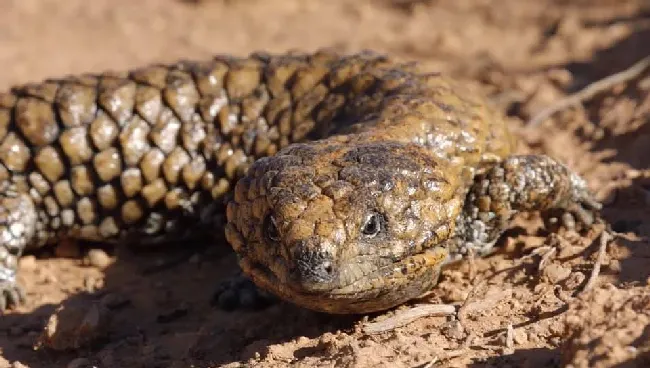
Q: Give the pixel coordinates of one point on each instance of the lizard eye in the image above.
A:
(271, 229)
(374, 225)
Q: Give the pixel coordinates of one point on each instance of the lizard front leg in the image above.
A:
(18, 222)
(521, 184)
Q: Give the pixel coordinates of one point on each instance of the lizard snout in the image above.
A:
(313, 264)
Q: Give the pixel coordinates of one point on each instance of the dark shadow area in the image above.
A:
(156, 298)
(641, 361)
(540, 357)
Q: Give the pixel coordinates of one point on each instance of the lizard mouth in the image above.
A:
(381, 289)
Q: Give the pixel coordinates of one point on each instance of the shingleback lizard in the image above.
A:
(350, 180)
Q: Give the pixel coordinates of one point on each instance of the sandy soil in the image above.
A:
(522, 307)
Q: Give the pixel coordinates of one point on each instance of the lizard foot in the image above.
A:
(579, 211)
(17, 228)
(239, 292)
(524, 184)
(11, 295)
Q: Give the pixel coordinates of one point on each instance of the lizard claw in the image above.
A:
(581, 211)
(11, 295)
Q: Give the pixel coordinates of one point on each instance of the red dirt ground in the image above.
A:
(524, 54)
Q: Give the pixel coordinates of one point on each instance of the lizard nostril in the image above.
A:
(327, 268)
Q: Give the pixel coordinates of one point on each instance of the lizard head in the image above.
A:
(344, 228)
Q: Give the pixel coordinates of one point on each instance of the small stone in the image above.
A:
(453, 330)
(302, 340)
(18, 365)
(555, 273)
(98, 258)
(27, 263)
(520, 337)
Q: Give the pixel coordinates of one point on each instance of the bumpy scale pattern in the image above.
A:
(102, 154)
(141, 155)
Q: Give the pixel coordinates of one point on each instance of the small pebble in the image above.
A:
(555, 273)
(520, 337)
(302, 340)
(98, 258)
(453, 330)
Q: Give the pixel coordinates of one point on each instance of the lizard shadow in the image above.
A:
(560, 356)
(160, 304)
(536, 357)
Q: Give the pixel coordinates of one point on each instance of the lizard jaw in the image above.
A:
(382, 289)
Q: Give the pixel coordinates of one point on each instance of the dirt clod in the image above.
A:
(98, 258)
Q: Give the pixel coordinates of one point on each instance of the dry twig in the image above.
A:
(510, 336)
(404, 317)
(590, 91)
(605, 238)
(470, 295)
(546, 257)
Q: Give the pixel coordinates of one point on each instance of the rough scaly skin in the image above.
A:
(400, 170)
